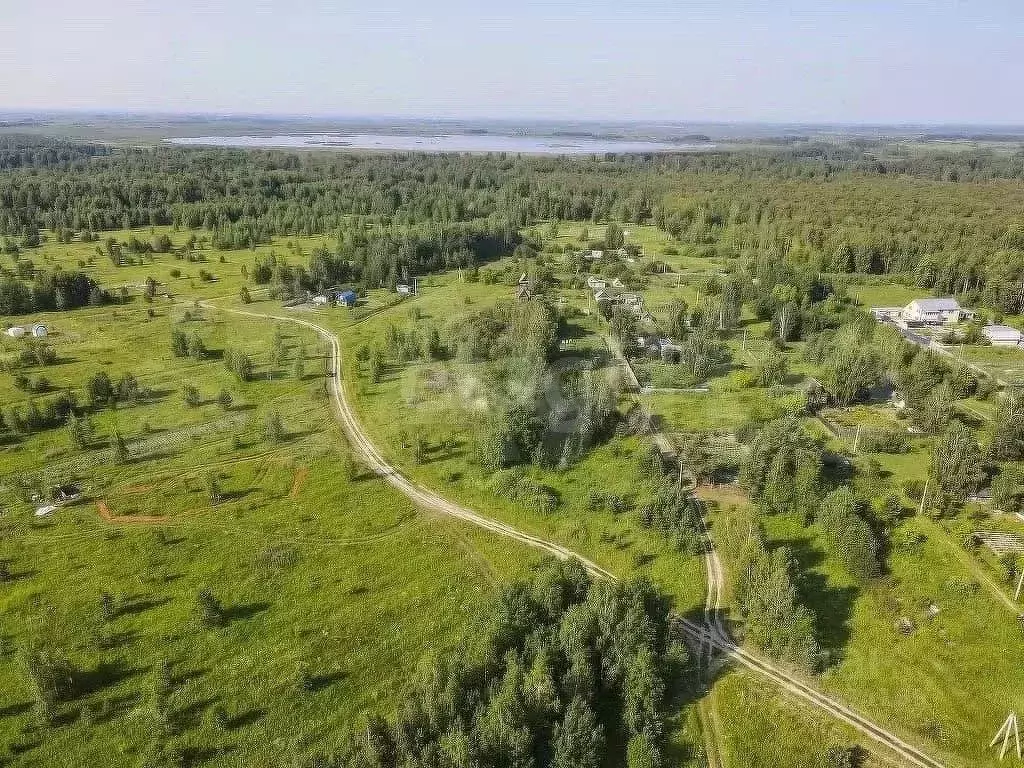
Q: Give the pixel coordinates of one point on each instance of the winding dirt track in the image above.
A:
(710, 636)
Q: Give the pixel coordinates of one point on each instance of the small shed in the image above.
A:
(403, 289)
(15, 332)
(348, 298)
(39, 331)
(1002, 335)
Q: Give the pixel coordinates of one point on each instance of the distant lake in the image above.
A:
(454, 142)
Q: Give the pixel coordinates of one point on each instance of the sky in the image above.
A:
(867, 61)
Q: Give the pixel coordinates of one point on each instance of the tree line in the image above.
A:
(560, 671)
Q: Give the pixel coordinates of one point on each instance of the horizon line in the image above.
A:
(37, 112)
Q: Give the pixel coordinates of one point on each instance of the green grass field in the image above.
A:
(345, 580)
(341, 578)
(878, 294)
(944, 679)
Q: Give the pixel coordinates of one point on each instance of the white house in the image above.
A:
(596, 283)
(404, 290)
(1002, 335)
(593, 255)
(933, 311)
(39, 331)
(16, 332)
(320, 300)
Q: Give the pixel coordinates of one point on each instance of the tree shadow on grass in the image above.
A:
(115, 706)
(24, 745)
(441, 455)
(248, 717)
(236, 495)
(12, 710)
(192, 674)
(120, 639)
(243, 612)
(191, 714)
(135, 606)
(320, 682)
(14, 576)
(832, 605)
(103, 675)
(200, 755)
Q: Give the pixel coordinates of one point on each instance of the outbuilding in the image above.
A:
(1001, 335)
(348, 298)
(883, 314)
(15, 332)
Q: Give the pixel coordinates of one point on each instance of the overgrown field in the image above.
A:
(329, 585)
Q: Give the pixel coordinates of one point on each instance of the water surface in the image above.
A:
(449, 142)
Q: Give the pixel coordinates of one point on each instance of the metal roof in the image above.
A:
(937, 305)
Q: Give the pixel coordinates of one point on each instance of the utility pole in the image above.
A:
(856, 440)
(924, 495)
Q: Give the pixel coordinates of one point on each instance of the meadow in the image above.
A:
(339, 581)
(333, 586)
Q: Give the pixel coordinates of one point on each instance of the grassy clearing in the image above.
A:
(943, 678)
(408, 403)
(947, 684)
(885, 294)
(762, 728)
(337, 581)
(1002, 363)
(225, 267)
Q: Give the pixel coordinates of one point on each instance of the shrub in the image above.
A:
(513, 485)
(273, 429)
(211, 612)
(191, 395)
(884, 441)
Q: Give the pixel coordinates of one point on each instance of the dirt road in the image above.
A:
(709, 636)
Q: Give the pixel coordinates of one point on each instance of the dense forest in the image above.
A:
(560, 672)
(952, 222)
